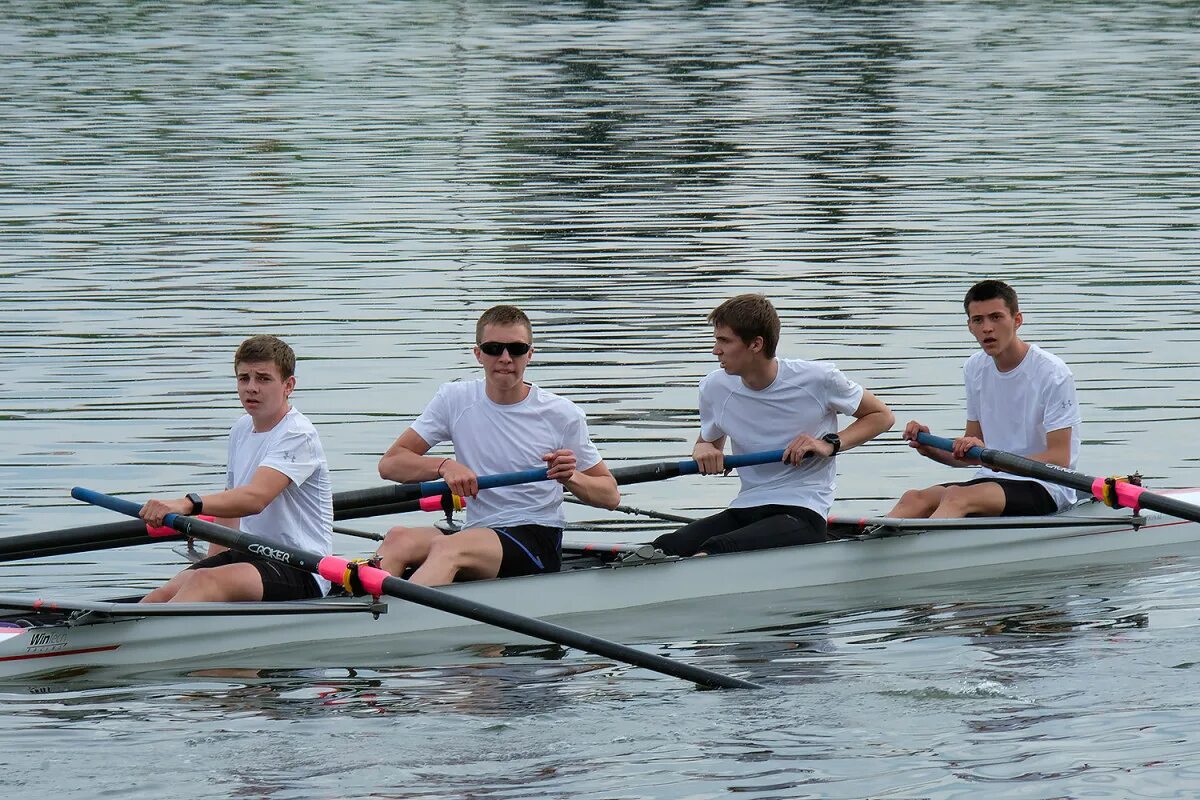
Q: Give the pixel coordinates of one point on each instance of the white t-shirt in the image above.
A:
(491, 438)
(302, 515)
(805, 397)
(1017, 408)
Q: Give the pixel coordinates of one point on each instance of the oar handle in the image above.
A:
(643, 473)
(112, 503)
(429, 488)
(344, 502)
(942, 443)
(690, 467)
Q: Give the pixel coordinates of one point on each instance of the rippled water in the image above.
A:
(364, 179)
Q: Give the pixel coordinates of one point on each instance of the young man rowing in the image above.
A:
(497, 424)
(760, 402)
(277, 486)
(1020, 399)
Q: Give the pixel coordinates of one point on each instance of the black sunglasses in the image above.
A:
(515, 349)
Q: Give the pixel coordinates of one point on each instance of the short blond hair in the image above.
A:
(502, 315)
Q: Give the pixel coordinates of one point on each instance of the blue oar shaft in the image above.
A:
(1125, 493)
(386, 495)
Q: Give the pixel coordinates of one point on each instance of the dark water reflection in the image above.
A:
(363, 179)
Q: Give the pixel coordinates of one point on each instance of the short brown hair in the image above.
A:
(267, 348)
(990, 290)
(749, 316)
(502, 315)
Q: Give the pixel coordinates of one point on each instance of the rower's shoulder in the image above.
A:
(1044, 356)
(546, 400)
(295, 420)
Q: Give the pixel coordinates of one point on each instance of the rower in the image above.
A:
(1020, 399)
(277, 487)
(760, 402)
(496, 424)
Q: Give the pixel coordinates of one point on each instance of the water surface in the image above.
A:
(363, 180)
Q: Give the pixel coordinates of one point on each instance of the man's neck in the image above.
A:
(262, 426)
(1012, 356)
(506, 396)
(760, 374)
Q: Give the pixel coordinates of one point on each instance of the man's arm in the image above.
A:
(405, 461)
(1058, 448)
(595, 486)
(871, 418)
(229, 505)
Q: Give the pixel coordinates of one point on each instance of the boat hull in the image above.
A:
(405, 630)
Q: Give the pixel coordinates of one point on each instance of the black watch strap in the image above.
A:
(834, 440)
(197, 504)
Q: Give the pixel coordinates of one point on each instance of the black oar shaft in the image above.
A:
(357, 512)
(1127, 494)
(331, 567)
(78, 540)
(110, 536)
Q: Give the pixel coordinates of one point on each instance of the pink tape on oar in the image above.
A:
(1128, 494)
(434, 502)
(163, 530)
(339, 571)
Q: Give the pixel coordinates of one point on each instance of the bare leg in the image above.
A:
(228, 583)
(406, 547)
(473, 554)
(918, 503)
(164, 593)
(982, 499)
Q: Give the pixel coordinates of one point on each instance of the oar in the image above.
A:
(383, 496)
(129, 534)
(83, 539)
(378, 582)
(375, 537)
(1127, 494)
(639, 511)
(394, 499)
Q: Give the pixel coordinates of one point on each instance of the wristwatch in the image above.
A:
(834, 440)
(197, 504)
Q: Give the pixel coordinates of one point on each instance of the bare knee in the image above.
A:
(447, 552)
(917, 503)
(401, 548)
(957, 501)
(163, 593)
(198, 586)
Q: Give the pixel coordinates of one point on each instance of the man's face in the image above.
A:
(503, 368)
(993, 325)
(262, 388)
(733, 354)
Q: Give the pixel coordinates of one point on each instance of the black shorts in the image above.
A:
(279, 582)
(1021, 498)
(529, 550)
